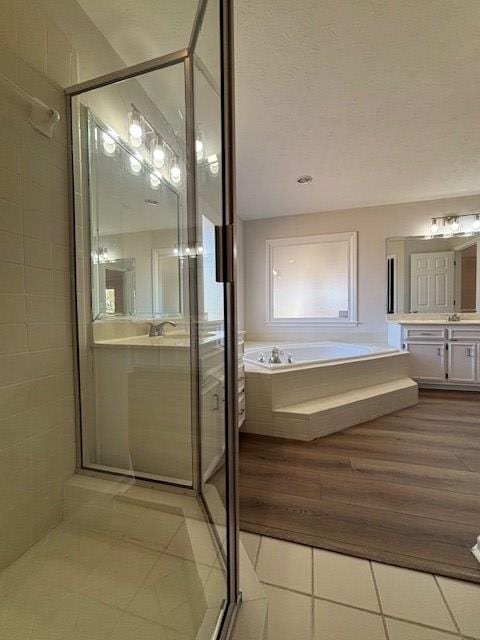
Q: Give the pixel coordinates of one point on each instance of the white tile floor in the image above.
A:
(319, 595)
(81, 585)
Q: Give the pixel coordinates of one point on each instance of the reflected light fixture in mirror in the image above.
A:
(213, 164)
(135, 166)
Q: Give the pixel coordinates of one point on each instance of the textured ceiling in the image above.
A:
(378, 100)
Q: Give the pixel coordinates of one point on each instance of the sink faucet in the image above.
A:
(454, 317)
(275, 356)
(159, 328)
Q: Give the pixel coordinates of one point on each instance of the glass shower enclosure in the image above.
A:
(152, 196)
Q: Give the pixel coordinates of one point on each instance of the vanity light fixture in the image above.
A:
(462, 224)
(135, 128)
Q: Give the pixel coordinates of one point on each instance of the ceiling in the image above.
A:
(378, 100)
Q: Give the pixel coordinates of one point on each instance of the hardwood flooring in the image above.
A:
(402, 489)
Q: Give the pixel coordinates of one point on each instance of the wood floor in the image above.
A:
(402, 489)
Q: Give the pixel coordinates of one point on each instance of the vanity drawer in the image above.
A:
(422, 333)
(464, 333)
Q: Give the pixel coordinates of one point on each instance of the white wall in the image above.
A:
(374, 226)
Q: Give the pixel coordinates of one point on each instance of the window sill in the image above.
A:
(312, 323)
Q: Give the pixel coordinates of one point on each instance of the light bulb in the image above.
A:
(199, 250)
(176, 174)
(213, 165)
(199, 149)
(175, 251)
(136, 132)
(135, 166)
(476, 223)
(455, 225)
(434, 226)
(154, 181)
(109, 145)
(187, 251)
(158, 157)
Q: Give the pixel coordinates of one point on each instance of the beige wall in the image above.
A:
(37, 444)
(374, 225)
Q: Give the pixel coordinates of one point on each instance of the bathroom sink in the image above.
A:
(168, 340)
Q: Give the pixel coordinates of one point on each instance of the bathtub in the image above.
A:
(307, 354)
(327, 387)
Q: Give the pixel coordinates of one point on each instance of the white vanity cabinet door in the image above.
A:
(427, 360)
(462, 362)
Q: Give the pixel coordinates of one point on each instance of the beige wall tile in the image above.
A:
(32, 36)
(11, 247)
(38, 253)
(10, 217)
(59, 57)
(13, 338)
(398, 630)
(39, 281)
(12, 308)
(12, 279)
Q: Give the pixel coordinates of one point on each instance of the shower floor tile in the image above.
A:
(78, 585)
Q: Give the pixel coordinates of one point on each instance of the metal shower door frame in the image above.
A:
(185, 57)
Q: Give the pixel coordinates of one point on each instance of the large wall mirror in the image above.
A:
(135, 223)
(433, 275)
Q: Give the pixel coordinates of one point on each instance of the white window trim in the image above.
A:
(352, 320)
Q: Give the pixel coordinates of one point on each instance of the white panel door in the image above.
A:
(431, 282)
(462, 362)
(427, 360)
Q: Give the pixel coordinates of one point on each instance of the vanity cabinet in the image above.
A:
(440, 355)
(427, 360)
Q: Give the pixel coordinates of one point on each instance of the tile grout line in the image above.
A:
(375, 613)
(377, 591)
(435, 578)
(257, 555)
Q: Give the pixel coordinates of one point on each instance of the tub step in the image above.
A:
(315, 418)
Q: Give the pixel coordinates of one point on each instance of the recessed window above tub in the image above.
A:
(312, 280)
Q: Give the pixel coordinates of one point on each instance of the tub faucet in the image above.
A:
(159, 329)
(275, 356)
(454, 317)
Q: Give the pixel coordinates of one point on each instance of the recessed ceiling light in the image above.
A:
(304, 179)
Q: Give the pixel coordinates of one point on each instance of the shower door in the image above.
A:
(152, 192)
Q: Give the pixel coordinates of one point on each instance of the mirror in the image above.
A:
(135, 220)
(433, 275)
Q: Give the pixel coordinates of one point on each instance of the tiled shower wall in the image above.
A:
(37, 444)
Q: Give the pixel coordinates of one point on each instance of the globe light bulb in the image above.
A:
(455, 225)
(154, 181)
(434, 226)
(199, 149)
(476, 223)
(135, 166)
(176, 174)
(109, 145)
(136, 133)
(158, 157)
